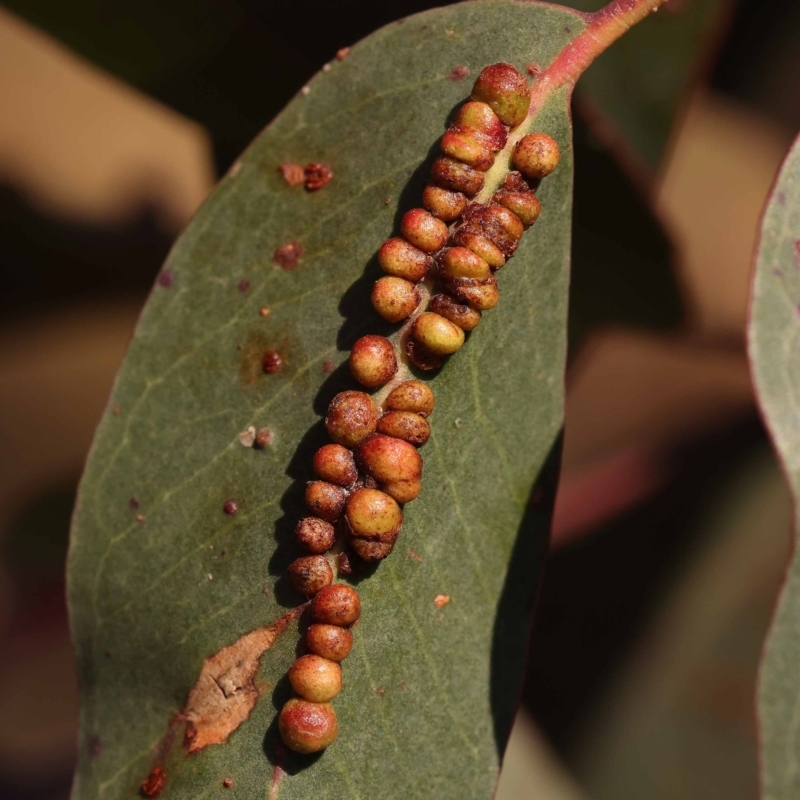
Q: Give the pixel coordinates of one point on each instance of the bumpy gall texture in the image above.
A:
(536, 155)
(413, 396)
(525, 205)
(443, 203)
(480, 295)
(315, 535)
(398, 257)
(307, 727)
(352, 417)
(368, 550)
(460, 314)
(315, 678)
(329, 641)
(459, 262)
(505, 89)
(317, 176)
(336, 605)
(395, 299)
(481, 117)
(372, 361)
(437, 334)
(469, 146)
(335, 464)
(325, 500)
(456, 176)
(372, 514)
(421, 229)
(310, 574)
(405, 425)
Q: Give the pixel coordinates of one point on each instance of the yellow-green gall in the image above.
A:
(398, 257)
(307, 727)
(443, 203)
(466, 317)
(413, 396)
(505, 90)
(456, 176)
(329, 641)
(437, 334)
(326, 500)
(421, 229)
(481, 117)
(336, 605)
(536, 155)
(525, 205)
(309, 575)
(460, 262)
(468, 146)
(315, 535)
(315, 678)
(352, 417)
(405, 425)
(372, 361)
(372, 514)
(481, 246)
(335, 464)
(395, 299)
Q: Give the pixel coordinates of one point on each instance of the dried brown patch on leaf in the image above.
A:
(225, 692)
(293, 174)
(441, 600)
(459, 73)
(287, 256)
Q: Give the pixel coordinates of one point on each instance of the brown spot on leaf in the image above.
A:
(317, 176)
(293, 174)
(533, 68)
(116, 411)
(272, 362)
(227, 783)
(263, 311)
(414, 555)
(287, 256)
(154, 784)
(327, 366)
(459, 73)
(231, 507)
(441, 600)
(380, 691)
(244, 285)
(140, 517)
(133, 503)
(225, 692)
(264, 437)
(165, 278)
(342, 54)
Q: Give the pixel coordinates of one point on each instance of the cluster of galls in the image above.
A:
(373, 465)
(485, 236)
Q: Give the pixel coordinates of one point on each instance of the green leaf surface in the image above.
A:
(774, 349)
(429, 691)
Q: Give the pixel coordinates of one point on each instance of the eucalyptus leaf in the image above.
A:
(774, 350)
(161, 578)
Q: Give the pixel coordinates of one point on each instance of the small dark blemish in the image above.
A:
(272, 362)
(287, 256)
(777, 273)
(94, 746)
(317, 176)
(108, 654)
(133, 503)
(345, 563)
(231, 507)
(244, 285)
(459, 73)
(264, 438)
(154, 785)
(227, 783)
(293, 174)
(380, 691)
(327, 366)
(165, 278)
